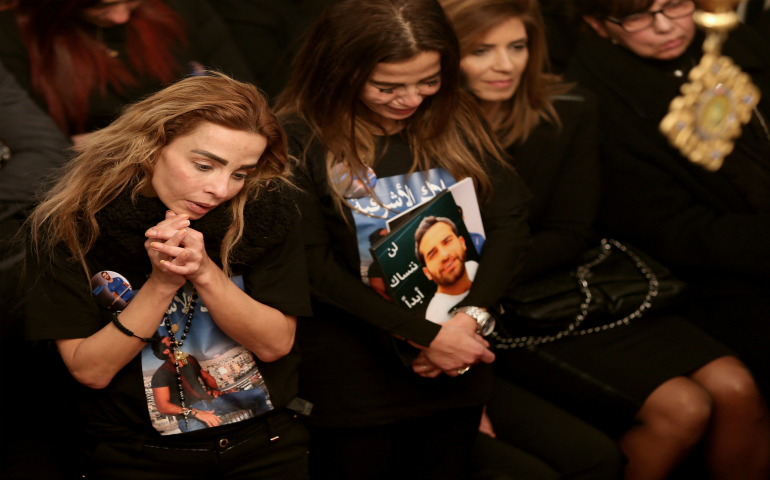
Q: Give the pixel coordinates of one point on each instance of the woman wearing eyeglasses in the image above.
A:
(710, 228)
(375, 113)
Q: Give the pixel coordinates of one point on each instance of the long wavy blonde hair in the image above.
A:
(121, 157)
(343, 48)
(531, 103)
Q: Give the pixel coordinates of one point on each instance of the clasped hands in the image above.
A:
(177, 252)
(456, 347)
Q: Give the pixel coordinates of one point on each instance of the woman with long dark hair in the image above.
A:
(374, 111)
(82, 60)
(167, 266)
(682, 384)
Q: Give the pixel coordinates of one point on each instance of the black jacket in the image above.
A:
(693, 220)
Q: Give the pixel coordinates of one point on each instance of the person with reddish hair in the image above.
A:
(83, 60)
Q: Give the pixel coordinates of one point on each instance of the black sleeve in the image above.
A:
(278, 279)
(565, 225)
(210, 39)
(331, 282)
(163, 378)
(676, 226)
(505, 223)
(36, 144)
(683, 215)
(58, 302)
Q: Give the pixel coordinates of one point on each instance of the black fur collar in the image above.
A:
(123, 222)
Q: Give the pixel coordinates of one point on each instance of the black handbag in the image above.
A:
(606, 291)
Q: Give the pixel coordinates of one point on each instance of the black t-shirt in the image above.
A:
(60, 305)
(352, 372)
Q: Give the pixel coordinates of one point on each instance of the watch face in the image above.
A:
(484, 319)
(489, 326)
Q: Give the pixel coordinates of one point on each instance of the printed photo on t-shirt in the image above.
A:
(212, 376)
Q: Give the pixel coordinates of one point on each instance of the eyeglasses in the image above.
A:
(639, 21)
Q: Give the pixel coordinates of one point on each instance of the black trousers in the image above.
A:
(537, 440)
(434, 447)
(248, 455)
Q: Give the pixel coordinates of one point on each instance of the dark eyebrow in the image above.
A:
(386, 84)
(210, 155)
(221, 160)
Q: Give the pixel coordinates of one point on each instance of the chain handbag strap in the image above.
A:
(582, 274)
(762, 123)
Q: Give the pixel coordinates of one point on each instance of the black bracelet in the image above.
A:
(128, 332)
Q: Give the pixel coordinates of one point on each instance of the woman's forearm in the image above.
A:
(95, 360)
(262, 329)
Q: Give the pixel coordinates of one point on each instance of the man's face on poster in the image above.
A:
(444, 254)
(168, 350)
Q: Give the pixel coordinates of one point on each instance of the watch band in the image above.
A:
(484, 320)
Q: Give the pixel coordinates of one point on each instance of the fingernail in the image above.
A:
(183, 232)
(155, 245)
(184, 215)
(149, 233)
(184, 254)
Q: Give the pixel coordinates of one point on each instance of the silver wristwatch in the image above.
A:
(484, 319)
